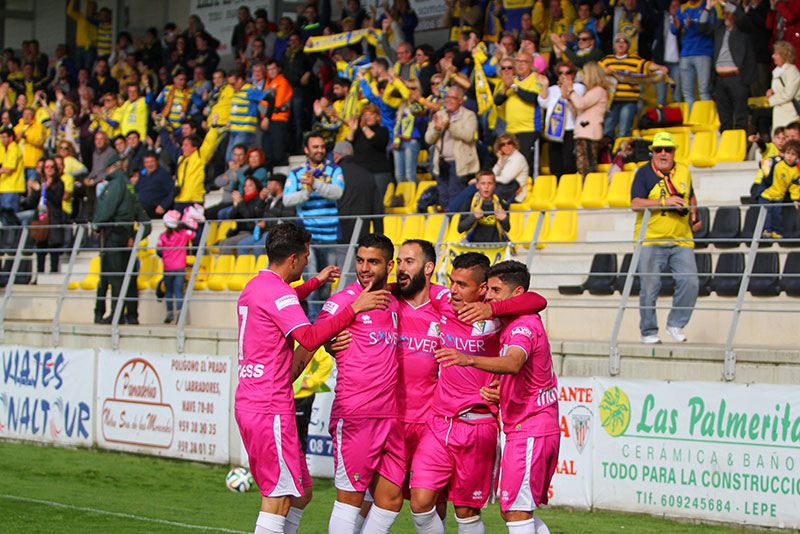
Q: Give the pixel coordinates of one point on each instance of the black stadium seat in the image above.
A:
(791, 228)
(767, 263)
(702, 232)
(749, 226)
(596, 283)
(791, 284)
(727, 223)
(703, 261)
(728, 263)
(619, 285)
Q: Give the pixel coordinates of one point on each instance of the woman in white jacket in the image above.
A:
(511, 169)
(785, 85)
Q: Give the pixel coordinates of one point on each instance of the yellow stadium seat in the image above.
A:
(595, 190)
(223, 270)
(222, 231)
(388, 195)
(523, 228)
(203, 273)
(618, 143)
(453, 235)
(603, 167)
(433, 227)
(413, 228)
(544, 160)
(422, 157)
(261, 262)
(757, 102)
(543, 192)
(424, 177)
(569, 191)
(422, 186)
(564, 227)
(517, 227)
(530, 227)
(158, 274)
(704, 148)
(630, 166)
(211, 238)
(92, 277)
(407, 190)
(393, 227)
(146, 271)
(619, 190)
(683, 146)
(244, 269)
(144, 251)
(702, 116)
(732, 146)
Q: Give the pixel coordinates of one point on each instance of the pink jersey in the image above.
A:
(367, 370)
(529, 399)
(458, 390)
(268, 312)
(418, 339)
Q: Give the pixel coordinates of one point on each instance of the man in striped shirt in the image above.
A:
(314, 189)
(244, 111)
(624, 106)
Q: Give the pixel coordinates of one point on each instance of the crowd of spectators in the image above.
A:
(513, 80)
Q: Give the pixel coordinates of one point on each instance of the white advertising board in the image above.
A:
(220, 17)
(725, 452)
(47, 395)
(572, 482)
(164, 404)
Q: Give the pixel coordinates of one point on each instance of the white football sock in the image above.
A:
(470, 525)
(293, 520)
(343, 518)
(359, 523)
(269, 523)
(541, 528)
(379, 521)
(521, 527)
(428, 522)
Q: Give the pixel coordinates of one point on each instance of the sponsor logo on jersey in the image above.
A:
(286, 300)
(484, 328)
(434, 329)
(522, 331)
(366, 319)
(330, 307)
(477, 494)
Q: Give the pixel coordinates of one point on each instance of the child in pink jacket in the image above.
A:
(172, 249)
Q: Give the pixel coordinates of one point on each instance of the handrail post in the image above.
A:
(180, 340)
(535, 241)
(729, 366)
(23, 237)
(349, 257)
(613, 350)
(124, 289)
(65, 284)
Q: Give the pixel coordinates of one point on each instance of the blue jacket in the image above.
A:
(693, 41)
(157, 189)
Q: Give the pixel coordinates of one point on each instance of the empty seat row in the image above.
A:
(727, 230)
(765, 281)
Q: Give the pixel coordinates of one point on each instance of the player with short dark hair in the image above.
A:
(270, 322)
(528, 402)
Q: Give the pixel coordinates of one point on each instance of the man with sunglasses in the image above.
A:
(587, 50)
(668, 244)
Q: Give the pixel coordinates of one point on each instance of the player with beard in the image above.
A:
(368, 446)
(528, 403)
(458, 447)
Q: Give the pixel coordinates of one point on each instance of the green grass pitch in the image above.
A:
(50, 489)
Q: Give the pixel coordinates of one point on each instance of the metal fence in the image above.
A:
(528, 251)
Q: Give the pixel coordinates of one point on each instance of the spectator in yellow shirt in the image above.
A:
(30, 134)
(12, 180)
(132, 115)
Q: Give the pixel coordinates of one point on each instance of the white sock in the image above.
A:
(293, 520)
(470, 525)
(541, 528)
(521, 527)
(379, 521)
(269, 523)
(359, 523)
(343, 518)
(428, 522)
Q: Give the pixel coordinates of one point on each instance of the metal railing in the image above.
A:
(24, 248)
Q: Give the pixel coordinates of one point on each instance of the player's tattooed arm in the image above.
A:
(526, 303)
(300, 360)
(339, 343)
(510, 364)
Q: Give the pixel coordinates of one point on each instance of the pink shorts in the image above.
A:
(461, 453)
(526, 469)
(277, 461)
(362, 447)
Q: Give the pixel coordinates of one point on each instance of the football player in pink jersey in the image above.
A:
(528, 403)
(368, 446)
(271, 320)
(458, 447)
